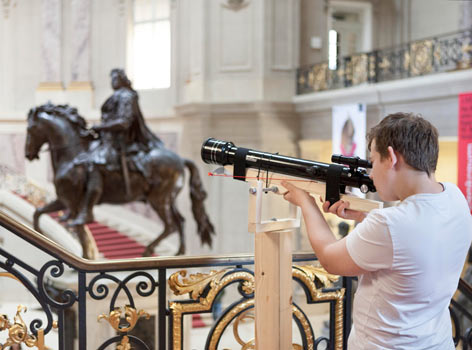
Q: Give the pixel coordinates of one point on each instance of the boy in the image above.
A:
(408, 257)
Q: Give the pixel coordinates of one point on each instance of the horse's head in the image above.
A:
(36, 135)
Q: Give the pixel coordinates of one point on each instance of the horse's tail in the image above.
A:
(198, 195)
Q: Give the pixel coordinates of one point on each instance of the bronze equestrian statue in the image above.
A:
(117, 161)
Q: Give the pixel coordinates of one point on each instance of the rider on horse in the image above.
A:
(124, 136)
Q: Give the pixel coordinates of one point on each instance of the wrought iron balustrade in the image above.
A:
(443, 53)
(122, 286)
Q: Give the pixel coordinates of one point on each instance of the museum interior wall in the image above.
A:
(232, 77)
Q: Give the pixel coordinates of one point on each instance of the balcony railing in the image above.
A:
(444, 53)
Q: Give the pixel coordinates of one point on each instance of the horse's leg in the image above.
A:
(163, 209)
(179, 221)
(89, 250)
(93, 192)
(48, 208)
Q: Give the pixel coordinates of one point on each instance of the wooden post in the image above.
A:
(273, 275)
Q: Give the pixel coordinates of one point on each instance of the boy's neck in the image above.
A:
(411, 182)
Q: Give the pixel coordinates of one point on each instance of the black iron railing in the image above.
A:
(443, 53)
(122, 284)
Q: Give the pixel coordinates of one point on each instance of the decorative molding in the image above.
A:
(80, 85)
(235, 5)
(50, 86)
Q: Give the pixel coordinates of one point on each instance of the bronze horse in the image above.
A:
(65, 131)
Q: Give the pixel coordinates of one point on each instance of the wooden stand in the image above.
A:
(273, 274)
(273, 257)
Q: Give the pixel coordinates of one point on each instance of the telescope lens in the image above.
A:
(216, 151)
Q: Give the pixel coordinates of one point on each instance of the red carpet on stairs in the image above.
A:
(111, 243)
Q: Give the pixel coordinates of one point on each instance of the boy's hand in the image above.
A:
(296, 195)
(341, 209)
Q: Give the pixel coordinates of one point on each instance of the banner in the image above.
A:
(464, 142)
(348, 131)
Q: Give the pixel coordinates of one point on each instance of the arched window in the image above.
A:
(151, 44)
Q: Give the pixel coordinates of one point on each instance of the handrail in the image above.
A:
(81, 264)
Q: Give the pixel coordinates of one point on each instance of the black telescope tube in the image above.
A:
(224, 153)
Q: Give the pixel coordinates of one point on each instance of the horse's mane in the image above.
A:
(66, 112)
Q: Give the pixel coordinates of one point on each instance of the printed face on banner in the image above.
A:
(349, 130)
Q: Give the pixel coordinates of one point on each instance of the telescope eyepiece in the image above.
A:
(354, 162)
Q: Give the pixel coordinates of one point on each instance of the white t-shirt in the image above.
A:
(414, 253)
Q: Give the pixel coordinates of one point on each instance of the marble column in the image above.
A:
(80, 49)
(51, 25)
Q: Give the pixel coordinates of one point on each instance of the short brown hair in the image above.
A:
(412, 136)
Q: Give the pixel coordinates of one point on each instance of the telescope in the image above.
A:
(345, 171)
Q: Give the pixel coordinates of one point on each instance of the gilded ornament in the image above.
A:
(421, 57)
(124, 344)
(195, 283)
(18, 332)
(131, 316)
(217, 280)
(385, 64)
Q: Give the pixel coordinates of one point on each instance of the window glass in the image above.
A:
(151, 44)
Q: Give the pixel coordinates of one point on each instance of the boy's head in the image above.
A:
(409, 134)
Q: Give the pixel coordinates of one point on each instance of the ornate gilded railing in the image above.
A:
(71, 292)
(439, 54)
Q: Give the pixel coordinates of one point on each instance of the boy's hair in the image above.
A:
(413, 137)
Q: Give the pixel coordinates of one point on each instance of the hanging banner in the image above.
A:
(464, 142)
(348, 131)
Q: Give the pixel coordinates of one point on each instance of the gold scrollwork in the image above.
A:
(319, 76)
(307, 275)
(217, 280)
(385, 64)
(124, 344)
(18, 332)
(358, 69)
(195, 283)
(248, 314)
(421, 57)
(247, 308)
(372, 72)
(467, 56)
(131, 315)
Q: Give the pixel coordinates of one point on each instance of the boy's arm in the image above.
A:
(332, 254)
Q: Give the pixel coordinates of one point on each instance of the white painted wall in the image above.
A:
(433, 17)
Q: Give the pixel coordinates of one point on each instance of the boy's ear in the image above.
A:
(392, 156)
